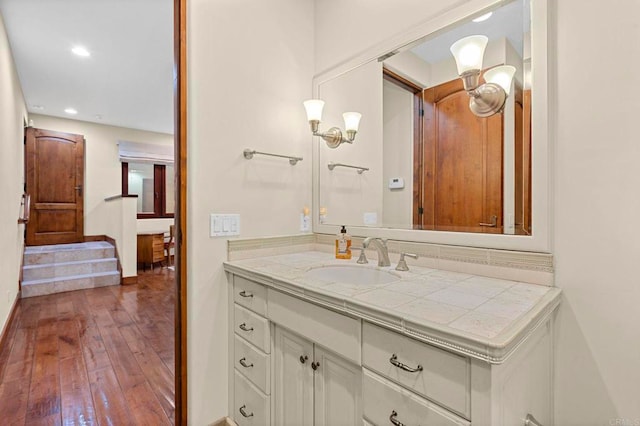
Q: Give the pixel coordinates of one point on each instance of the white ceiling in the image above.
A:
(128, 79)
(511, 21)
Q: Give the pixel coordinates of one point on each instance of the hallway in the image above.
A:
(96, 356)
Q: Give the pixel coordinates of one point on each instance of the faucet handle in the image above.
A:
(402, 264)
(363, 257)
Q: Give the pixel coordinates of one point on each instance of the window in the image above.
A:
(154, 186)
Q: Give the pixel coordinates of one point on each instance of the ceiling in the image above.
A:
(128, 79)
(511, 21)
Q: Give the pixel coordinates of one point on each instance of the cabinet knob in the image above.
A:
(315, 365)
(303, 358)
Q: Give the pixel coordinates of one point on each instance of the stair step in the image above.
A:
(65, 253)
(81, 267)
(41, 287)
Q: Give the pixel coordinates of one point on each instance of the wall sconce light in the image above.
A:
(485, 99)
(333, 137)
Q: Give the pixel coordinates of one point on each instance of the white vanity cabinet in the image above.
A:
(299, 358)
(313, 386)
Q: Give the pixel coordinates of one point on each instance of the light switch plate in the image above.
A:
(224, 225)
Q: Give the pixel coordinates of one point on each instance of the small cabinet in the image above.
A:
(314, 386)
(150, 248)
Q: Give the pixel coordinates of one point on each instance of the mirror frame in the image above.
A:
(540, 240)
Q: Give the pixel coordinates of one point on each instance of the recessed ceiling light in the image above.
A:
(71, 111)
(37, 107)
(81, 51)
(483, 17)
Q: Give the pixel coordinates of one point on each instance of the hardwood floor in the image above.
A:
(100, 356)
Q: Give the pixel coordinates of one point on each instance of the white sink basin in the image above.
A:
(357, 275)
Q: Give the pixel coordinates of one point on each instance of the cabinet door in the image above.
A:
(338, 390)
(293, 379)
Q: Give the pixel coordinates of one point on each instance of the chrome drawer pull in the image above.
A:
(243, 327)
(392, 419)
(394, 360)
(245, 294)
(244, 413)
(244, 364)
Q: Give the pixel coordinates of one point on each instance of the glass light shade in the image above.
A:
(483, 18)
(501, 76)
(468, 52)
(351, 120)
(314, 109)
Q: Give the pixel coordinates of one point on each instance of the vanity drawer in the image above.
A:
(381, 398)
(252, 327)
(253, 363)
(249, 294)
(251, 407)
(334, 331)
(445, 376)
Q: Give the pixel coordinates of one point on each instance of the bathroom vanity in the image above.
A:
(403, 348)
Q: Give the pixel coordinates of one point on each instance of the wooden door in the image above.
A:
(293, 379)
(462, 158)
(54, 166)
(338, 390)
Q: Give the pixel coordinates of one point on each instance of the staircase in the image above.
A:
(67, 267)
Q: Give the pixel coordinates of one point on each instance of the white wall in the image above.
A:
(397, 152)
(12, 117)
(410, 66)
(103, 170)
(121, 226)
(596, 242)
(250, 66)
(346, 194)
(597, 205)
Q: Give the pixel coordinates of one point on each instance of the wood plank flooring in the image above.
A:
(102, 356)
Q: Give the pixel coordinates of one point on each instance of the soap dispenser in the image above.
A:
(343, 244)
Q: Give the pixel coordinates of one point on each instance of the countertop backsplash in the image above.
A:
(527, 267)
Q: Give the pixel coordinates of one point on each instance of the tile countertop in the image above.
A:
(481, 317)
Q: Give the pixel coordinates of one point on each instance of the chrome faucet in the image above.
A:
(381, 247)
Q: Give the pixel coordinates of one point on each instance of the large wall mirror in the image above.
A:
(423, 165)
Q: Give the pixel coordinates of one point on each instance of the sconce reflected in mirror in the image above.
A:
(485, 99)
(334, 136)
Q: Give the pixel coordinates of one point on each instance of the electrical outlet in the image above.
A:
(305, 223)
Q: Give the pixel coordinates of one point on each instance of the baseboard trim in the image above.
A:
(91, 238)
(6, 329)
(129, 280)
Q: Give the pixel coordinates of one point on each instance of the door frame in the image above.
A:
(180, 147)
